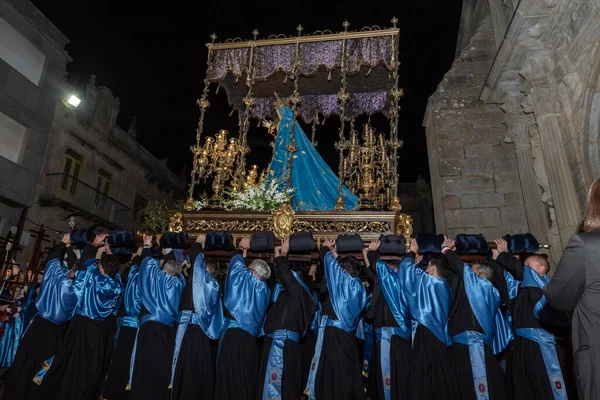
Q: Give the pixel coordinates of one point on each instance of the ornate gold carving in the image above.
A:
(404, 225)
(190, 205)
(342, 226)
(241, 225)
(395, 204)
(283, 221)
(339, 204)
(203, 103)
(317, 227)
(176, 224)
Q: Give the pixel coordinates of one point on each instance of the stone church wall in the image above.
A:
(473, 171)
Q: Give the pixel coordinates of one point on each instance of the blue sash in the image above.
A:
(484, 300)
(532, 279)
(384, 337)
(314, 365)
(475, 341)
(185, 318)
(546, 341)
(274, 372)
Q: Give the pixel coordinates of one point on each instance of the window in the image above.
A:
(71, 171)
(20, 54)
(12, 137)
(138, 207)
(102, 188)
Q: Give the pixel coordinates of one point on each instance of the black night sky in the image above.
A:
(153, 57)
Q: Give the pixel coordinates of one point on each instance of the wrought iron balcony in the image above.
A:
(67, 192)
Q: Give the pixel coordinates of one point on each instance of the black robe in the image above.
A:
(432, 376)
(80, 364)
(40, 342)
(339, 375)
(292, 311)
(526, 373)
(461, 319)
(195, 370)
(153, 356)
(118, 372)
(400, 348)
(237, 364)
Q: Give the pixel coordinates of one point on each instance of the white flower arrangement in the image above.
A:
(260, 198)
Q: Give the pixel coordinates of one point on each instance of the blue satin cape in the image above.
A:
(396, 301)
(132, 301)
(57, 298)
(347, 294)
(392, 292)
(428, 299)
(10, 340)
(315, 184)
(160, 292)
(246, 297)
(348, 298)
(484, 299)
(207, 300)
(98, 294)
(208, 315)
(531, 279)
(512, 285)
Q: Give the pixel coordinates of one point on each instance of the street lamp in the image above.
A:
(74, 100)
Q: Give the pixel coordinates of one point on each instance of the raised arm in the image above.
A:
(196, 248)
(283, 271)
(567, 285)
(58, 251)
(507, 260)
(370, 257)
(454, 261)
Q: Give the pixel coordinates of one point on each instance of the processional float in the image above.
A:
(346, 74)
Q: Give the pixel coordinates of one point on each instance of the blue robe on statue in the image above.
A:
(315, 184)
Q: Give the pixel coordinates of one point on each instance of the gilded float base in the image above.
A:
(284, 221)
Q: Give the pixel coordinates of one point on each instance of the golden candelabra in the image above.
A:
(369, 169)
(216, 158)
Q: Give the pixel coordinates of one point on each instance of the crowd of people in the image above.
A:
(424, 326)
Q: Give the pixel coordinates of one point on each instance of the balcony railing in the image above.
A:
(68, 192)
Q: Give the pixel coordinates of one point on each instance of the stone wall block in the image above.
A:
(482, 200)
(491, 217)
(450, 167)
(479, 151)
(469, 218)
(507, 182)
(514, 218)
(467, 185)
(451, 202)
(478, 167)
(473, 218)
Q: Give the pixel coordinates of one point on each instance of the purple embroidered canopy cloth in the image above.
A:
(370, 58)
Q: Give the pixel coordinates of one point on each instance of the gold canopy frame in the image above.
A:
(347, 74)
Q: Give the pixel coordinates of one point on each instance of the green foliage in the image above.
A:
(156, 216)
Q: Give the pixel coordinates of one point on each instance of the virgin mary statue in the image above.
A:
(314, 183)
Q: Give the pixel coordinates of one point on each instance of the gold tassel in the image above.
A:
(128, 388)
(170, 386)
(37, 380)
